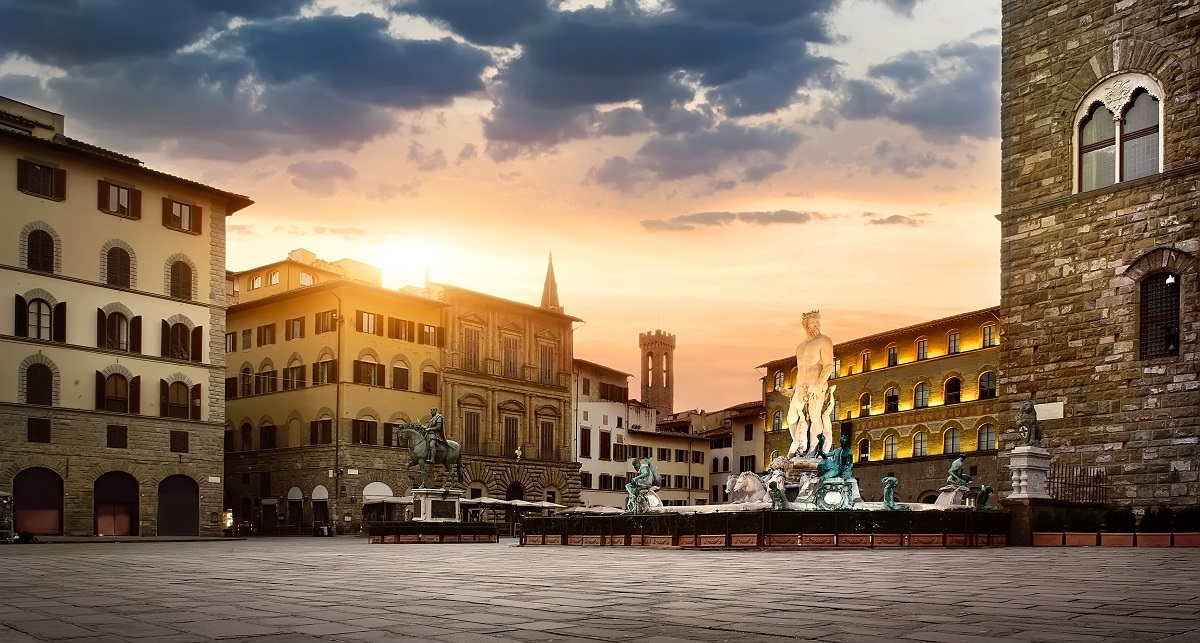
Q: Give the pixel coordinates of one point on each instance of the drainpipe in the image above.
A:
(335, 511)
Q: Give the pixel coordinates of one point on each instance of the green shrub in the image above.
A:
(1083, 520)
(1048, 521)
(1188, 519)
(1157, 519)
(1119, 519)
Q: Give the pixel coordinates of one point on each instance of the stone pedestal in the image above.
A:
(436, 505)
(1030, 471)
(952, 495)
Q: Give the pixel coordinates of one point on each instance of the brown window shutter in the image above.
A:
(372, 433)
(231, 388)
(101, 328)
(196, 402)
(197, 214)
(166, 213)
(314, 372)
(21, 327)
(441, 337)
(302, 328)
(379, 373)
(135, 203)
(300, 377)
(412, 330)
(275, 380)
(166, 339)
(164, 391)
(135, 334)
(23, 174)
(314, 432)
(102, 195)
(287, 331)
(60, 183)
(60, 322)
(379, 325)
(357, 371)
(335, 376)
(135, 395)
(198, 344)
(356, 432)
(100, 381)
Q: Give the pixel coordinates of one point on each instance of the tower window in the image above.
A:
(1159, 316)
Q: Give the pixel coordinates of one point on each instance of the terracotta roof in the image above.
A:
(603, 367)
(95, 149)
(507, 301)
(17, 118)
(719, 432)
(329, 285)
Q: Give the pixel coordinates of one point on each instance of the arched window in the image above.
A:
(777, 421)
(920, 444)
(725, 463)
(864, 450)
(307, 279)
(778, 380)
(181, 280)
(716, 465)
(987, 385)
(247, 437)
(40, 246)
(864, 405)
(1139, 137)
(889, 447)
(951, 441)
(39, 385)
(987, 437)
(247, 382)
(116, 393)
(273, 278)
(180, 341)
(116, 332)
(953, 391)
(1097, 149)
(921, 396)
(1158, 334)
(178, 400)
(256, 282)
(119, 264)
(40, 325)
(891, 400)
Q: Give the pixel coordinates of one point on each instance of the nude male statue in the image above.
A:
(814, 363)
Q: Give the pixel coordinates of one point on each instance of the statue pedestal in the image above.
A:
(952, 495)
(436, 505)
(1030, 471)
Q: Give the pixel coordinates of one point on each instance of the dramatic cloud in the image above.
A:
(484, 22)
(896, 219)
(713, 219)
(886, 156)
(425, 161)
(320, 178)
(947, 94)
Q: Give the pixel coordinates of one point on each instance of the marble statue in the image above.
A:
(1027, 424)
(889, 496)
(806, 416)
(747, 486)
(957, 476)
(779, 501)
(642, 485)
(985, 492)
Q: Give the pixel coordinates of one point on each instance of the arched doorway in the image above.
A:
(178, 506)
(116, 504)
(320, 504)
(295, 507)
(376, 491)
(514, 492)
(38, 502)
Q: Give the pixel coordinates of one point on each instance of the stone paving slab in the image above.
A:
(345, 591)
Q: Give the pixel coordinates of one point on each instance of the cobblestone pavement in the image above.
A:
(342, 589)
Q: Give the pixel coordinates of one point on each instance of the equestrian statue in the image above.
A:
(427, 443)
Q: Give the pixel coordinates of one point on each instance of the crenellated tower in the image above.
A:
(658, 371)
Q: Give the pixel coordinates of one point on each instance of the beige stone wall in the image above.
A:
(1071, 263)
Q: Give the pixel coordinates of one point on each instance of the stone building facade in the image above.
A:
(908, 400)
(111, 405)
(1099, 273)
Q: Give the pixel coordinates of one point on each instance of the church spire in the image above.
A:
(550, 290)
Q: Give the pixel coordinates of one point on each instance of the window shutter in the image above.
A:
(60, 322)
(300, 377)
(135, 203)
(135, 334)
(196, 402)
(441, 337)
(357, 371)
(356, 432)
(21, 327)
(287, 331)
(60, 183)
(314, 432)
(372, 433)
(198, 344)
(379, 373)
(100, 380)
(314, 372)
(102, 195)
(166, 339)
(22, 174)
(302, 328)
(275, 380)
(197, 214)
(231, 388)
(335, 375)
(163, 397)
(166, 211)
(101, 329)
(135, 395)
(379, 325)
(412, 330)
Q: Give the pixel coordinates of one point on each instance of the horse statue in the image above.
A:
(449, 456)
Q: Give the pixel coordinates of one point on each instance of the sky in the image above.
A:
(711, 168)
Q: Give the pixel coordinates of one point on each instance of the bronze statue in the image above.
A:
(779, 501)
(985, 492)
(889, 497)
(641, 487)
(957, 476)
(427, 443)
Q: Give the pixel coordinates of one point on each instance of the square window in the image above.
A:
(41, 180)
(37, 430)
(179, 441)
(118, 436)
(231, 342)
(181, 216)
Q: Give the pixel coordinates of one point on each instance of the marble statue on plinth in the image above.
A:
(1029, 462)
(811, 406)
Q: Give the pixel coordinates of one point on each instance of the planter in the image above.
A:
(1156, 539)
(1116, 539)
(656, 541)
(593, 540)
(1187, 539)
(956, 540)
(783, 540)
(574, 540)
(1080, 538)
(687, 541)
(854, 540)
(744, 540)
(888, 540)
(818, 540)
(999, 540)
(376, 540)
(712, 541)
(552, 540)
(533, 540)
(924, 540)
(1047, 539)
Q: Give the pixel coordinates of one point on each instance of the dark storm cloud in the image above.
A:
(713, 219)
(74, 32)
(885, 155)
(484, 22)
(757, 151)
(947, 94)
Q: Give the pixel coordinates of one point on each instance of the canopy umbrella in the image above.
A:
(524, 505)
(604, 510)
(546, 504)
(492, 502)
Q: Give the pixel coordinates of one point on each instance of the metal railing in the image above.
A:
(1078, 484)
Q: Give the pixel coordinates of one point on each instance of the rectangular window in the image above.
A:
(585, 443)
(41, 180)
(179, 441)
(364, 432)
(369, 323)
(989, 335)
(681, 482)
(620, 421)
(546, 364)
(604, 419)
(866, 361)
(231, 342)
(247, 439)
(323, 322)
(922, 349)
(587, 386)
(293, 328)
(547, 450)
(681, 455)
(247, 339)
(266, 334)
(430, 335)
(664, 455)
(293, 377)
(324, 372)
(716, 493)
(512, 435)
(619, 453)
(118, 436)
(512, 357)
(746, 463)
(368, 373)
(181, 216)
(400, 378)
(606, 482)
(749, 433)
(952, 343)
(585, 416)
(266, 436)
(697, 482)
(472, 359)
(471, 422)
(697, 457)
(119, 200)
(429, 383)
(320, 432)
(265, 382)
(585, 480)
(893, 356)
(605, 445)
(837, 368)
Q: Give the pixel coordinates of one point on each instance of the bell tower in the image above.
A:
(658, 371)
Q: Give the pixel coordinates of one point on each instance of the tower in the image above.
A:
(550, 290)
(658, 371)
